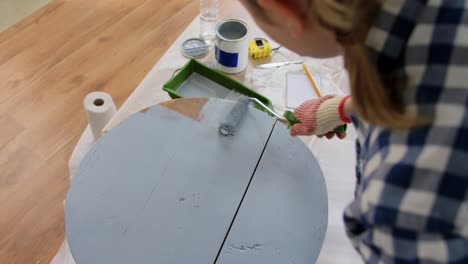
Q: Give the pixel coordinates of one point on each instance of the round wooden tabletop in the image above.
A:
(165, 187)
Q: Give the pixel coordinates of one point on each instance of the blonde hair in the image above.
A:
(378, 99)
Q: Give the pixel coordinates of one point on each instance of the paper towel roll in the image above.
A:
(100, 108)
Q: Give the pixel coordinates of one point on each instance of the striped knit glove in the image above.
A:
(318, 116)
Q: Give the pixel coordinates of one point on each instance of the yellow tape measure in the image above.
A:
(259, 48)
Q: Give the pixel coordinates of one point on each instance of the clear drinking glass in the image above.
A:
(209, 16)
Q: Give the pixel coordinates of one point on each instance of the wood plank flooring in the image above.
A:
(48, 62)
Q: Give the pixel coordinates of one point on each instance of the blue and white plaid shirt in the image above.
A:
(411, 203)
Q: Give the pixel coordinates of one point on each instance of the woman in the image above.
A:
(408, 65)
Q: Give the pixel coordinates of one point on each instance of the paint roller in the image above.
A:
(231, 122)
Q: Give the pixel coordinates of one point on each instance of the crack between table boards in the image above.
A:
(124, 230)
(245, 193)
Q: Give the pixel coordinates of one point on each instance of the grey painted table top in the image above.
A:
(166, 188)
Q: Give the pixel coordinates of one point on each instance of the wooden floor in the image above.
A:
(48, 63)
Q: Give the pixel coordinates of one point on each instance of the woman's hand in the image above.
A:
(320, 116)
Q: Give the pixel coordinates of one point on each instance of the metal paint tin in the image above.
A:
(232, 46)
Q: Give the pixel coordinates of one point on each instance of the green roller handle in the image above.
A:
(341, 129)
(292, 120)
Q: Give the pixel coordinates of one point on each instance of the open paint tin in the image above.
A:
(232, 46)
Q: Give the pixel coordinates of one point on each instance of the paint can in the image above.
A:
(232, 46)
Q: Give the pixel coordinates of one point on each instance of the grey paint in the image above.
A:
(283, 217)
(230, 123)
(162, 188)
(197, 85)
(232, 30)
